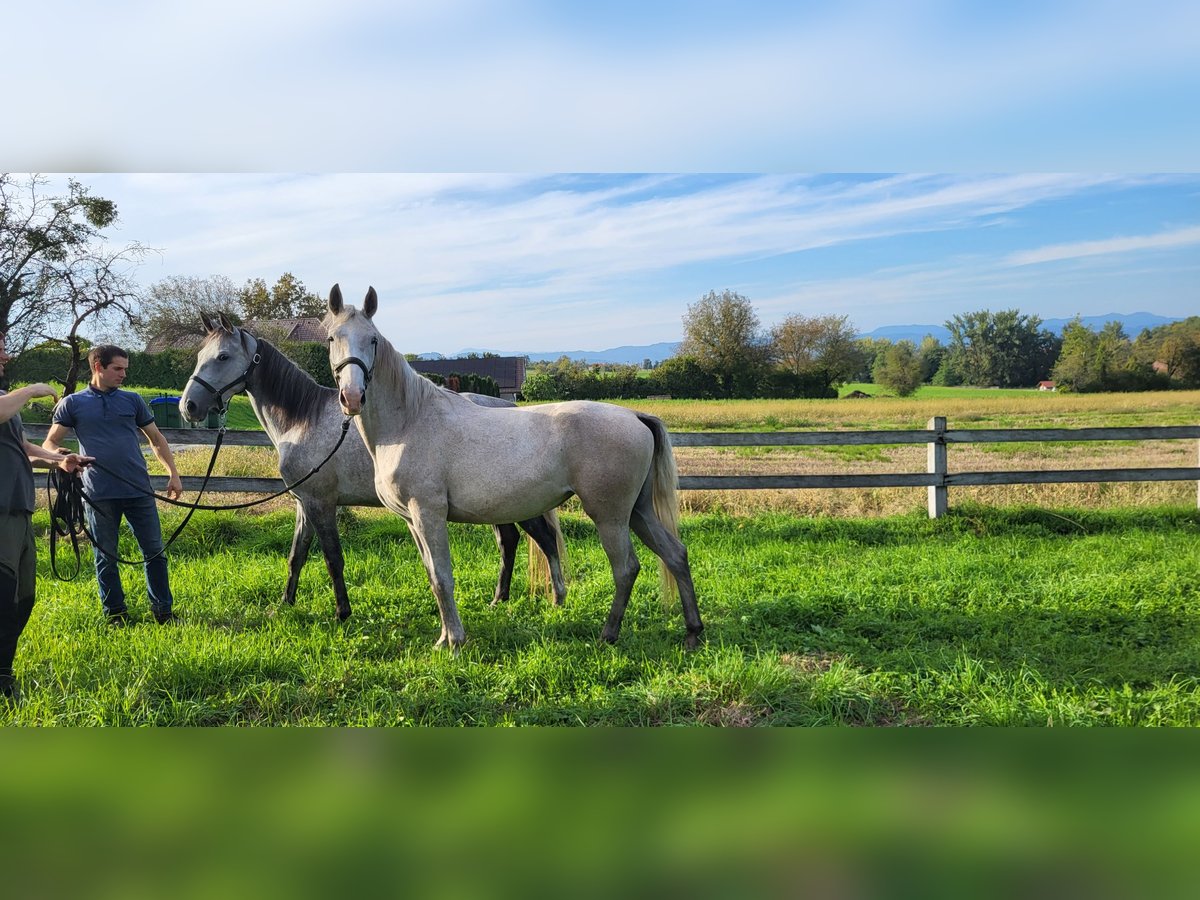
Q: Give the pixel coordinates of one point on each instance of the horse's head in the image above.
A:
(223, 364)
(353, 348)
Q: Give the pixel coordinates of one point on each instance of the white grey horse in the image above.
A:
(440, 458)
(303, 421)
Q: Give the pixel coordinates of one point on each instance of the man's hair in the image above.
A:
(104, 354)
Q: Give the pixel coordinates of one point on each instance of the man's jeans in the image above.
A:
(142, 515)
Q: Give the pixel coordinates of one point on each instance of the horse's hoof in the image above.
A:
(692, 641)
(607, 638)
(343, 614)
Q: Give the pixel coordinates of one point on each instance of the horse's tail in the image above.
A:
(539, 565)
(664, 483)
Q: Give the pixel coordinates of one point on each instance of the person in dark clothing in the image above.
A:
(107, 422)
(18, 563)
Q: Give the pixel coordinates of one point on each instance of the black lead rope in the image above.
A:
(67, 518)
(67, 496)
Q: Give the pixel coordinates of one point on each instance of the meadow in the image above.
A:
(1019, 609)
(1002, 617)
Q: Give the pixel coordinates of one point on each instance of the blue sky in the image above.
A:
(588, 262)
(546, 261)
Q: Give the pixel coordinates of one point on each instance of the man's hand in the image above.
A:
(174, 487)
(73, 462)
(41, 389)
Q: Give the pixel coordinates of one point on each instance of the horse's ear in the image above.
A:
(335, 300)
(371, 304)
(226, 324)
(207, 322)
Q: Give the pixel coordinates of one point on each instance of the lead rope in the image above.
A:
(66, 497)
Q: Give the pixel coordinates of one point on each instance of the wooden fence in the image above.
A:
(936, 478)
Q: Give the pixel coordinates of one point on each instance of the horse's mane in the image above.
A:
(290, 391)
(393, 372)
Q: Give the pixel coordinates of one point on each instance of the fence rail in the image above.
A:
(937, 479)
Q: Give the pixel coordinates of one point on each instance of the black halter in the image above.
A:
(368, 371)
(242, 379)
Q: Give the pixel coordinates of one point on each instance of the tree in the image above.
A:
(40, 236)
(93, 288)
(683, 377)
(898, 367)
(172, 306)
(288, 298)
(930, 353)
(867, 349)
(1004, 349)
(1099, 361)
(722, 332)
(823, 347)
(1172, 349)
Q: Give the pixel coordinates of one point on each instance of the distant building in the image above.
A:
(507, 371)
(1047, 386)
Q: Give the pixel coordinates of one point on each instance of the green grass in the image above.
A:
(933, 392)
(1021, 617)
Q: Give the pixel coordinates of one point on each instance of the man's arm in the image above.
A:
(162, 452)
(48, 459)
(55, 436)
(12, 403)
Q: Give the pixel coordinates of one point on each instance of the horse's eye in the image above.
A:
(222, 356)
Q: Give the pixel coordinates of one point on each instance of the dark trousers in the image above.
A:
(105, 521)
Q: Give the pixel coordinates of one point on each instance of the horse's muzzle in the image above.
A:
(351, 398)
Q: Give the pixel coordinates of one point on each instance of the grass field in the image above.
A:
(1007, 617)
(1061, 605)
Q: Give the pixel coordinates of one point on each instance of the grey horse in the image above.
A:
(303, 421)
(508, 465)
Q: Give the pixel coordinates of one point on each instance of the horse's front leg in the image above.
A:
(433, 540)
(301, 542)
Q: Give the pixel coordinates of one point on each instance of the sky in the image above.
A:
(189, 117)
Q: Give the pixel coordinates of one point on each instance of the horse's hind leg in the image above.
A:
(545, 535)
(301, 542)
(614, 536)
(507, 538)
(325, 522)
(674, 555)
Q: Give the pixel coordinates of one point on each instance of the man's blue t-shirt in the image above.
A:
(108, 425)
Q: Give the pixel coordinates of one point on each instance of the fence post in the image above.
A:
(936, 465)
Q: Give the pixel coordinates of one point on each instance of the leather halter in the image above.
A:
(367, 371)
(242, 379)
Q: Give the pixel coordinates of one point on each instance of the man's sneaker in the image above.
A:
(162, 618)
(118, 619)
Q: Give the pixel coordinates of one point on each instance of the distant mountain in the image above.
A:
(914, 333)
(1134, 324)
(630, 354)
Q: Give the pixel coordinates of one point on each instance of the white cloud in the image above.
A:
(1167, 240)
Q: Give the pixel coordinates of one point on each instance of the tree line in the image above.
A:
(726, 353)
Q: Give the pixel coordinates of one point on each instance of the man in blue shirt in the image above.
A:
(107, 421)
